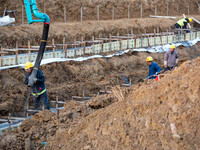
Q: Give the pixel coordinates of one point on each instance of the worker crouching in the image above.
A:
(38, 89)
(182, 23)
(154, 69)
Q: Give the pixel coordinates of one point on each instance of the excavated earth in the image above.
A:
(71, 78)
(137, 117)
(160, 114)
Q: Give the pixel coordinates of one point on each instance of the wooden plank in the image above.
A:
(196, 20)
(14, 118)
(167, 17)
(30, 110)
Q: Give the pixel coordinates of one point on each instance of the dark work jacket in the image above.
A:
(39, 86)
(153, 68)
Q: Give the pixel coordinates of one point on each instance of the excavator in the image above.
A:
(32, 11)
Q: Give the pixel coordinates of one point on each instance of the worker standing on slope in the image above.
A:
(39, 90)
(171, 58)
(182, 23)
(154, 69)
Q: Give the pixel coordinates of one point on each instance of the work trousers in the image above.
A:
(43, 98)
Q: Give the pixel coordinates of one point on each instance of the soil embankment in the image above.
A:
(149, 115)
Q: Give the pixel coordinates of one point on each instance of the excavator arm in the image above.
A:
(31, 9)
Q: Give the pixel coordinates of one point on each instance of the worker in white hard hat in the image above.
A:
(171, 58)
(39, 90)
(154, 69)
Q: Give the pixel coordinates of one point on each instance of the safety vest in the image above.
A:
(181, 22)
(34, 94)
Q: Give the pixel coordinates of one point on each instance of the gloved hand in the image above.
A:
(34, 80)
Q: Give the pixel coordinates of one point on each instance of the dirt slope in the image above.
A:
(55, 8)
(138, 117)
(142, 119)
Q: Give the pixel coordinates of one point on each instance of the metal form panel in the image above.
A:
(124, 44)
(138, 43)
(158, 40)
(145, 42)
(170, 38)
(151, 41)
(117, 46)
(132, 43)
(106, 47)
(187, 38)
(193, 35)
(164, 39)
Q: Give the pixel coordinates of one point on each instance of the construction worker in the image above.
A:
(171, 58)
(154, 69)
(182, 23)
(39, 90)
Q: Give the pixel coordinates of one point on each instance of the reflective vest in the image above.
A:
(34, 94)
(181, 22)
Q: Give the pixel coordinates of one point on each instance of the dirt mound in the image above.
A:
(149, 115)
(144, 118)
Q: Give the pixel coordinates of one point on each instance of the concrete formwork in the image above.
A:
(121, 44)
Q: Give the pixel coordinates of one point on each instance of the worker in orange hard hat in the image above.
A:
(39, 90)
(154, 69)
(171, 58)
(182, 23)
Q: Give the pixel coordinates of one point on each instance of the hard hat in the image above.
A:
(149, 58)
(28, 65)
(190, 19)
(173, 46)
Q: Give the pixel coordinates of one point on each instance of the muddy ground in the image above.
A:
(148, 115)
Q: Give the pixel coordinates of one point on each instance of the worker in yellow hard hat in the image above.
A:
(38, 90)
(154, 69)
(171, 58)
(182, 23)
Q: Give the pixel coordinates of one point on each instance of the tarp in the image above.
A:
(155, 49)
(6, 20)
